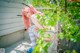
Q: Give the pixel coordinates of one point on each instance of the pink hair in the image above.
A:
(30, 10)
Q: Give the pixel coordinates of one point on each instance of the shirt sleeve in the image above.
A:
(36, 22)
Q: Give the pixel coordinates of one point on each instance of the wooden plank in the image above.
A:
(7, 21)
(11, 25)
(13, 1)
(9, 15)
(10, 5)
(16, 1)
(18, 16)
(4, 9)
(11, 30)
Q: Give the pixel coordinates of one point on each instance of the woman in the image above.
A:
(31, 22)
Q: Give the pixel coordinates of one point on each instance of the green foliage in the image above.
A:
(68, 51)
(47, 19)
(42, 46)
(62, 11)
(69, 28)
(74, 8)
(74, 51)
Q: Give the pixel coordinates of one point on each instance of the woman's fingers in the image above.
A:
(47, 39)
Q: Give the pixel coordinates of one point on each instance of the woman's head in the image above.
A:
(29, 11)
(26, 11)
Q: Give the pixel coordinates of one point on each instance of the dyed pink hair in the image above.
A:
(26, 19)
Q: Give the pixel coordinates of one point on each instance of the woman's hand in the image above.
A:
(40, 13)
(47, 39)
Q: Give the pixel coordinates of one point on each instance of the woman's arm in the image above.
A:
(47, 39)
(50, 39)
(36, 23)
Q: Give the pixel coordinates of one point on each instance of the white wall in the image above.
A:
(9, 21)
(11, 25)
(11, 38)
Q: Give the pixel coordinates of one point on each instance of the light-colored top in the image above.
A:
(35, 21)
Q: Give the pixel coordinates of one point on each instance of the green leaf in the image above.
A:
(61, 35)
